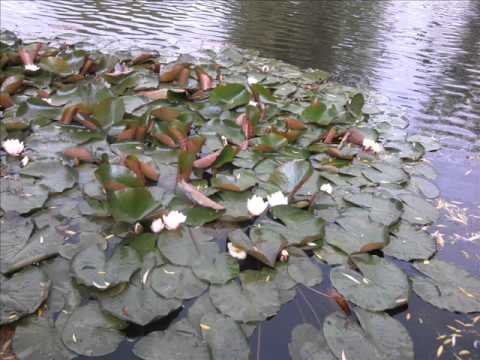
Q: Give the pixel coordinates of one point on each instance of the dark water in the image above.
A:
(423, 55)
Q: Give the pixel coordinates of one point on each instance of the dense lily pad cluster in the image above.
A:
(117, 143)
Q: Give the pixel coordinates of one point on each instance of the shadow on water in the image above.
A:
(424, 56)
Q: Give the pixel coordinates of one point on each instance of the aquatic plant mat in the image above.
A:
(91, 244)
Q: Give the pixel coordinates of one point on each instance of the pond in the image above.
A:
(424, 56)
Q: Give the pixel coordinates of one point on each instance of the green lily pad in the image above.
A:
(302, 226)
(425, 187)
(16, 231)
(92, 268)
(351, 233)
(317, 113)
(235, 205)
(21, 194)
(22, 294)
(291, 175)
(225, 338)
(408, 243)
(230, 96)
(131, 205)
(377, 337)
(381, 209)
(116, 176)
(90, 332)
(48, 342)
(447, 286)
(379, 284)
(428, 142)
(417, 210)
(385, 173)
(43, 244)
(308, 343)
(303, 270)
(240, 180)
(53, 175)
(215, 267)
(179, 342)
(139, 304)
(263, 244)
(178, 282)
(56, 65)
(200, 216)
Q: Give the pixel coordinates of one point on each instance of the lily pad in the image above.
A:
(377, 337)
(225, 338)
(92, 268)
(139, 304)
(131, 205)
(215, 267)
(352, 233)
(291, 175)
(48, 342)
(308, 343)
(53, 175)
(230, 95)
(179, 342)
(447, 286)
(418, 210)
(178, 282)
(240, 180)
(16, 231)
(21, 194)
(381, 209)
(377, 285)
(408, 243)
(90, 332)
(303, 270)
(22, 294)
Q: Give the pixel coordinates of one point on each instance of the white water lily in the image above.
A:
(13, 147)
(49, 101)
(284, 255)
(24, 162)
(157, 225)
(252, 80)
(236, 252)
(256, 205)
(326, 188)
(174, 219)
(277, 198)
(32, 67)
(369, 144)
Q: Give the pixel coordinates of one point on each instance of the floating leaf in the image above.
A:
(139, 304)
(407, 243)
(230, 96)
(447, 286)
(90, 332)
(381, 209)
(131, 205)
(379, 284)
(92, 268)
(179, 342)
(178, 282)
(22, 294)
(417, 210)
(240, 180)
(197, 196)
(303, 270)
(377, 337)
(55, 176)
(21, 195)
(292, 175)
(308, 343)
(109, 111)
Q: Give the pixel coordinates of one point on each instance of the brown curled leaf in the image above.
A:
(68, 114)
(355, 136)
(295, 124)
(87, 67)
(172, 74)
(165, 140)
(341, 301)
(35, 50)
(5, 100)
(87, 123)
(198, 197)
(140, 133)
(133, 164)
(78, 153)
(208, 160)
(143, 58)
(149, 171)
(161, 94)
(333, 152)
(127, 134)
(205, 82)
(184, 76)
(25, 56)
(331, 134)
(371, 247)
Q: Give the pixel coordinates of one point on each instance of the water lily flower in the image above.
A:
(174, 219)
(138, 228)
(31, 67)
(284, 255)
(277, 198)
(252, 80)
(24, 162)
(256, 205)
(48, 101)
(236, 252)
(326, 188)
(369, 144)
(13, 147)
(157, 225)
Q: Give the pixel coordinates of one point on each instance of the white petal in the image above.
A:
(256, 205)
(277, 198)
(32, 67)
(236, 252)
(174, 219)
(157, 225)
(13, 147)
(326, 188)
(24, 162)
